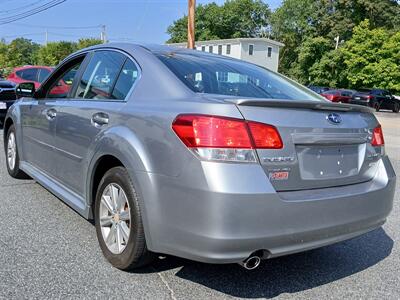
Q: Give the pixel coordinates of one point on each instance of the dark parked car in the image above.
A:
(7, 97)
(343, 96)
(376, 98)
(318, 89)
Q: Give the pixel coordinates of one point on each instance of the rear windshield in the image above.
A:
(217, 75)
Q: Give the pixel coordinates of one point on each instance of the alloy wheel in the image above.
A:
(11, 151)
(115, 218)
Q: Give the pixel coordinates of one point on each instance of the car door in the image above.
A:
(38, 132)
(39, 119)
(98, 96)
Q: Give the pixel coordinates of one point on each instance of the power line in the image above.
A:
(31, 12)
(19, 8)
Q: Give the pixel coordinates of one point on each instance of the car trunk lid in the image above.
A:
(318, 152)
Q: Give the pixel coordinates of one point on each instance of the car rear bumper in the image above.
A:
(359, 102)
(227, 214)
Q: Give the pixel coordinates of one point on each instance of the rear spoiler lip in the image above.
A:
(301, 104)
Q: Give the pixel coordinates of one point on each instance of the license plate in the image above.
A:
(328, 162)
(357, 98)
(3, 105)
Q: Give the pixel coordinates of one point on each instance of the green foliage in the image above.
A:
(308, 28)
(372, 58)
(54, 52)
(233, 19)
(84, 43)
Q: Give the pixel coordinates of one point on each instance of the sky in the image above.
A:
(126, 20)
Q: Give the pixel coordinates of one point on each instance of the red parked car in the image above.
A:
(37, 74)
(343, 96)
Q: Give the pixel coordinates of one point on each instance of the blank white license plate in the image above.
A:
(3, 105)
(357, 98)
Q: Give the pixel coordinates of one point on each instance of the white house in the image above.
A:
(260, 51)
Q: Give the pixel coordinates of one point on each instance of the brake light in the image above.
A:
(225, 139)
(377, 137)
(265, 136)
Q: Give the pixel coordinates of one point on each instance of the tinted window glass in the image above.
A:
(228, 49)
(64, 83)
(218, 75)
(219, 49)
(331, 92)
(251, 49)
(43, 74)
(100, 75)
(125, 81)
(269, 54)
(29, 74)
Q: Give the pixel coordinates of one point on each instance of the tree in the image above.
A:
(88, 42)
(234, 19)
(298, 21)
(372, 58)
(20, 52)
(54, 52)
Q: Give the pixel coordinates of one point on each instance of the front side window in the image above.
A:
(62, 86)
(224, 76)
(98, 80)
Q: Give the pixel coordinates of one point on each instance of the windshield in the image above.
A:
(218, 75)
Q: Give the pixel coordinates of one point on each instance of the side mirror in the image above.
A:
(26, 89)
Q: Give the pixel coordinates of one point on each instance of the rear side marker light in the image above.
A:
(225, 139)
(377, 137)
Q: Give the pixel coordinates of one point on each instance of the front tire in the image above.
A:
(12, 157)
(118, 220)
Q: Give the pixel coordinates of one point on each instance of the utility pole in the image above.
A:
(103, 34)
(191, 20)
(46, 40)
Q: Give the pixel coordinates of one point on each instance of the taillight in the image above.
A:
(377, 137)
(265, 136)
(225, 139)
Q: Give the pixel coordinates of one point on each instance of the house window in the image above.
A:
(219, 49)
(210, 49)
(251, 49)
(203, 48)
(228, 49)
(269, 54)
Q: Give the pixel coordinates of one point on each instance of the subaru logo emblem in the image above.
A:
(334, 118)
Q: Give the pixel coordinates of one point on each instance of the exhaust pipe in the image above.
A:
(251, 263)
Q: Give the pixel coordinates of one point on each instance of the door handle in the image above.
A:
(51, 114)
(100, 119)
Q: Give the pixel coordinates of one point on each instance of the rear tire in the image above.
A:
(396, 108)
(118, 221)
(377, 106)
(12, 157)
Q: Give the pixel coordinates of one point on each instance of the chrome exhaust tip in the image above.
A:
(251, 263)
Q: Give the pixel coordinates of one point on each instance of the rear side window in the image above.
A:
(100, 76)
(203, 73)
(28, 74)
(125, 81)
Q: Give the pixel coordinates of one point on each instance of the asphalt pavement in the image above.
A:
(47, 251)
